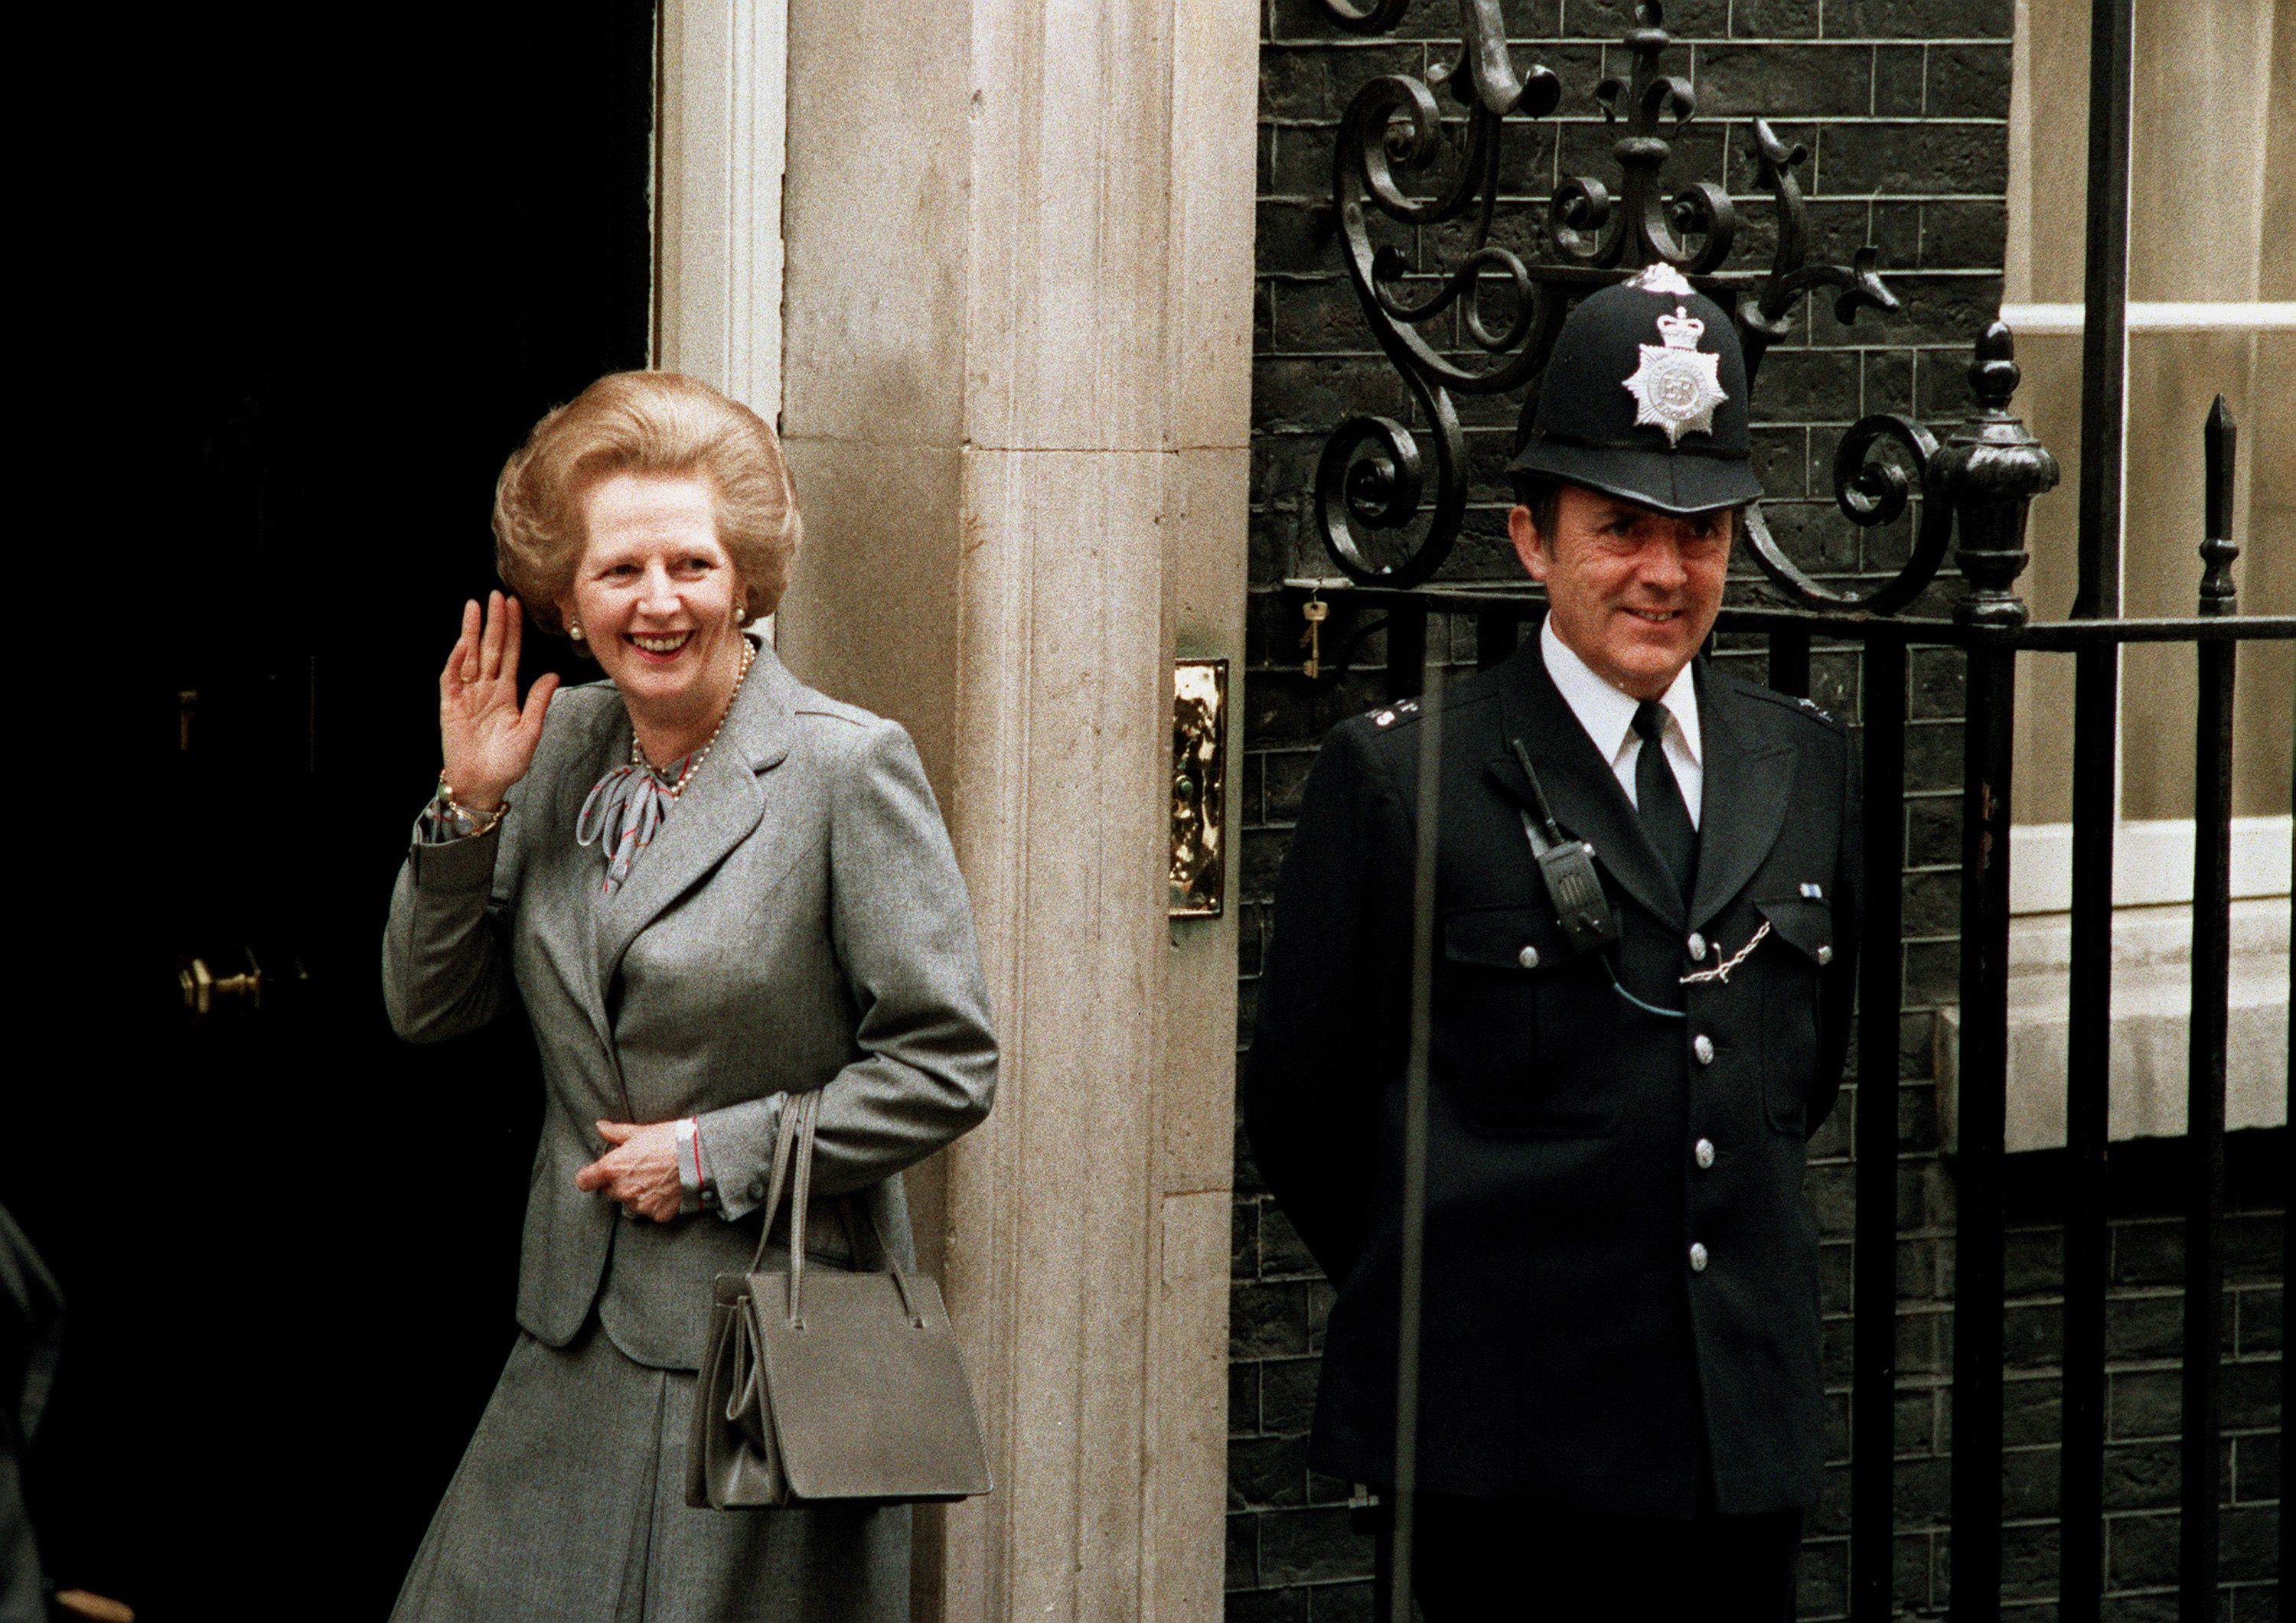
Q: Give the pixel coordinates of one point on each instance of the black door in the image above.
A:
(304, 285)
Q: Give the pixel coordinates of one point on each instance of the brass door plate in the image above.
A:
(1199, 878)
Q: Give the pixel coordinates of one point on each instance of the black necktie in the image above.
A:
(1658, 799)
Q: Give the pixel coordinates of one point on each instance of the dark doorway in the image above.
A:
(304, 285)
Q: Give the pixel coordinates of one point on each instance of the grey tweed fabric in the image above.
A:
(522, 1538)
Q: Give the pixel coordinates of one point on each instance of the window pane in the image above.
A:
(2212, 145)
(2172, 377)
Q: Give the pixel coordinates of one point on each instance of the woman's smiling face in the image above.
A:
(655, 593)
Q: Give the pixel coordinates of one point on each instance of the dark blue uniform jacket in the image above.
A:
(1571, 1350)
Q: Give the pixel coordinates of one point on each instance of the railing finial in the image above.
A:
(1993, 374)
(1990, 472)
(2220, 446)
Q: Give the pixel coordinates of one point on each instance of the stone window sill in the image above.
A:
(2151, 1004)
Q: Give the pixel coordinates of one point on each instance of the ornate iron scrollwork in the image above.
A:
(1386, 515)
(1871, 491)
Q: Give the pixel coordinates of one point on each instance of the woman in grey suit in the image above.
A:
(711, 889)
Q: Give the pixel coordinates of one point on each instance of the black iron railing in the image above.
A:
(1388, 509)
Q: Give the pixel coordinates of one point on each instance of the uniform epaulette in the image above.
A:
(1809, 708)
(1389, 715)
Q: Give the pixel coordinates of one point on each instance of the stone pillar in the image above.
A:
(718, 144)
(1017, 337)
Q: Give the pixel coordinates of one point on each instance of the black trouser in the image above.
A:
(1498, 1561)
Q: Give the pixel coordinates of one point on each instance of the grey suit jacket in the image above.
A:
(798, 922)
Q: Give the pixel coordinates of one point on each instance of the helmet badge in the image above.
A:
(1677, 385)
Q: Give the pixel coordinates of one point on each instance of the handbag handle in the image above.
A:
(776, 1179)
(806, 1109)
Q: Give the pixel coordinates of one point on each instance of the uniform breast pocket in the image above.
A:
(1510, 1023)
(1802, 929)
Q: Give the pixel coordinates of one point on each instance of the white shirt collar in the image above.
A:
(1607, 714)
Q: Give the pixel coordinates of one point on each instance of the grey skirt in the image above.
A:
(569, 1507)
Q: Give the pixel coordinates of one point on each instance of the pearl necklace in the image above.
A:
(693, 760)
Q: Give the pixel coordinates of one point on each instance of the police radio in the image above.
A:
(1568, 867)
(1581, 907)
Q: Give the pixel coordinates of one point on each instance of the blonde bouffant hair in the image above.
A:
(650, 423)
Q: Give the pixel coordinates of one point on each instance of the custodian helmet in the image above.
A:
(1644, 396)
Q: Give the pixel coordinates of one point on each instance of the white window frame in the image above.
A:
(2152, 863)
(2220, 316)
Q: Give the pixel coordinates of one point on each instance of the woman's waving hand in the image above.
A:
(486, 737)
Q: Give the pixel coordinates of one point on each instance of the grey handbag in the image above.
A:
(828, 1386)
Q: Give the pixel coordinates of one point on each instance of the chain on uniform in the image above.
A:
(1721, 971)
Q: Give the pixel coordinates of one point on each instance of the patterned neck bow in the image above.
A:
(624, 811)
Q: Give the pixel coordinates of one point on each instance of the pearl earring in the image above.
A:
(574, 629)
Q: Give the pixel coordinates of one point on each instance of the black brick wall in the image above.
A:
(1903, 104)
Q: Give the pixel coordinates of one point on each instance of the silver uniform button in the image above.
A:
(1702, 1045)
(1825, 954)
(1697, 1257)
(1704, 1151)
(1528, 957)
(1697, 947)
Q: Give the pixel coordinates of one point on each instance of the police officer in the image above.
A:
(1621, 1411)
